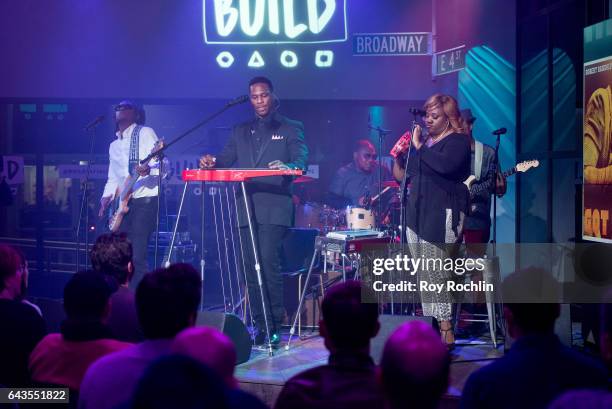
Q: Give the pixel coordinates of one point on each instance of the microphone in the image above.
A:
(416, 111)
(500, 131)
(240, 100)
(94, 123)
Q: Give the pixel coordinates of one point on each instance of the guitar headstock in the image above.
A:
(526, 165)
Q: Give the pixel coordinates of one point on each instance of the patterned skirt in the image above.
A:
(436, 304)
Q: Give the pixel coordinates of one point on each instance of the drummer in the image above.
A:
(358, 182)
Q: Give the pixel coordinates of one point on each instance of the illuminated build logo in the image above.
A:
(260, 22)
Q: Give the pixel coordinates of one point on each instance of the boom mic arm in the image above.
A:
(236, 101)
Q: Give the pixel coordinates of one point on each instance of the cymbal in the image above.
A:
(304, 179)
(390, 183)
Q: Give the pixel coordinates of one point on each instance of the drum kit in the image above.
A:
(346, 234)
(327, 219)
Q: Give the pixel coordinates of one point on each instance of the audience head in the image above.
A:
(531, 318)
(210, 347)
(23, 263)
(583, 399)
(606, 330)
(86, 297)
(364, 155)
(415, 366)
(442, 114)
(112, 255)
(530, 302)
(347, 322)
(13, 273)
(177, 381)
(167, 300)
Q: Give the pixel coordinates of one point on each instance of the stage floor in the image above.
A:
(265, 376)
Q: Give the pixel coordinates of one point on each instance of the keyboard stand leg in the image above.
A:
(257, 267)
(178, 218)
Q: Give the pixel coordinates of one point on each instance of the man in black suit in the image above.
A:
(273, 141)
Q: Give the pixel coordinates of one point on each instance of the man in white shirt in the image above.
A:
(134, 142)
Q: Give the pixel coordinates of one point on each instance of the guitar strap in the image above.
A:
(478, 148)
(134, 148)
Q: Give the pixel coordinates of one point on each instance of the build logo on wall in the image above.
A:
(258, 24)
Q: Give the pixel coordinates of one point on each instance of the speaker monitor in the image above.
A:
(388, 324)
(231, 326)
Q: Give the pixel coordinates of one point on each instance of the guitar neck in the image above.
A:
(129, 184)
(509, 172)
(488, 185)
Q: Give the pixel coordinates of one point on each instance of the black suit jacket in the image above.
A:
(535, 371)
(270, 196)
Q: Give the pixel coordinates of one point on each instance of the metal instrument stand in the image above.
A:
(315, 253)
(257, 266)
(319, 249)
(254, 243)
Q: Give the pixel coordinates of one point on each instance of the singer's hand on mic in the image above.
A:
(207, 161)
(416, 137)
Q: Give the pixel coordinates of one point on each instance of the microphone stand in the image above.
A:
(192, 129)
(160, 158)
(403, 205)
(160, 154)
(403, 187)
(404, 198)
(381, 136)
(84, 207)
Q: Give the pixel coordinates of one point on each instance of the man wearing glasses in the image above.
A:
(134, 142)
(273, 141)
(358, 181)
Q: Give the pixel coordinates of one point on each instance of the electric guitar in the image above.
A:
(125, 194)
(476, 189)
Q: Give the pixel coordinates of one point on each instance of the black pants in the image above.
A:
(139, 223)
(269, 239)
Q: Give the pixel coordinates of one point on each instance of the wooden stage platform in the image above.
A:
(265, 376)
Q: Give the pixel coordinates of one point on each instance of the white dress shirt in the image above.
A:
(119, 153)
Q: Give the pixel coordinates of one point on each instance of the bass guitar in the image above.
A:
(125, 194)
